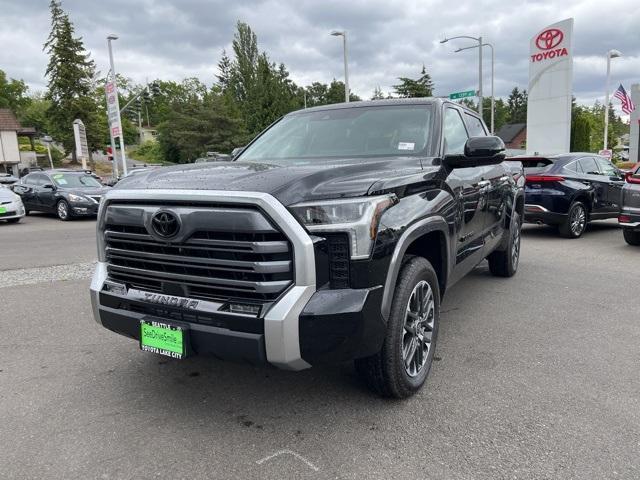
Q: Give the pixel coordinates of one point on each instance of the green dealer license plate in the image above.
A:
(162, 338)
(3, 209)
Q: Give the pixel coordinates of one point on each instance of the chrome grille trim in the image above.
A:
(281, 320)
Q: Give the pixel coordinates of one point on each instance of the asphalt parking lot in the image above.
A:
(536, 377)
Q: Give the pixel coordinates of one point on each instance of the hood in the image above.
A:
(289, 184)
(85, 190)
(6, 195)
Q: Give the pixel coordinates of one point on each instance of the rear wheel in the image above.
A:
(576, 222)
(401, 367)
(632, 237)
(504, 263)
(62, 210)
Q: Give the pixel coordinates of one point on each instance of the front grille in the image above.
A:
(230, 253)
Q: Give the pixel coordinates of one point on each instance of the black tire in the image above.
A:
(504, 263)
(14, 220)
(632, 237)
(386, 372)
(576, 222)
(63, 211)
(26, 212)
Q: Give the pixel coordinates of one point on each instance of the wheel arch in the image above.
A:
(427, 238)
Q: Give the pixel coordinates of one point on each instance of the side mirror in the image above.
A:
(478, 151)
(49, 186)
(236, 151)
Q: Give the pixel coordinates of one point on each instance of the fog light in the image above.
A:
(244, 309)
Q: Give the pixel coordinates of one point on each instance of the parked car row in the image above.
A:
(568, 191)
(66, 193)
(629, 217)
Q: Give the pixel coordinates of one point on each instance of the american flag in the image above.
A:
(622, 95)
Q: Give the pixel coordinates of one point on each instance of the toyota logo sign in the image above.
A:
(165, 224)
(550, 38)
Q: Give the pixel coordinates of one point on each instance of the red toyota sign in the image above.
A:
(548, 41)
(550, 38)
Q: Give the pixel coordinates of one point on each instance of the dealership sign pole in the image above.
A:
(80, 137)
(108, 89)
(550, 89)
(113, 107)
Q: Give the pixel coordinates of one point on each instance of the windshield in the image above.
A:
(74, 180)
(395, 130)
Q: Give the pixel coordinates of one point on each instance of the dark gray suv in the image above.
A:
(629, 218)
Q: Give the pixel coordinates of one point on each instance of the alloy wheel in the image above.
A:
(63, 210)
(418, 328)
(578, 220)
(515, 246)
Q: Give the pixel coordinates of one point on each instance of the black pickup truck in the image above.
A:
(332, 236)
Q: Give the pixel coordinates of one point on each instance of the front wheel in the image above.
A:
(576, 222)
(401, 367)
(504, 263)
(632, 237)
(62, 209)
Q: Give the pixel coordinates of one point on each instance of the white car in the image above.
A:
(11, 207)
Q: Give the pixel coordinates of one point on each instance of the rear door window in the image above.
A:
(589, 166)
(573, 167)
(607, 169)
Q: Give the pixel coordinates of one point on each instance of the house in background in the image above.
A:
(9, 150)
(148, 134)
(514, 136)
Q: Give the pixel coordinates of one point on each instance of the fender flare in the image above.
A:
(413, 232)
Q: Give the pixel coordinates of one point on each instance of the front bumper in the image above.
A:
(330, 325)
(81, 209)
(12, 210)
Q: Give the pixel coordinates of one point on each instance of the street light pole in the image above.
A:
(479, 40)
(47, 139)
(115, 84)
(493, 104)
(343, 34)
(610, 54)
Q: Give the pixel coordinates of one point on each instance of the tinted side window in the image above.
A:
(475, 127)
(573, 167)
(606, 168)
(41, 179)
(30, 179)
(455, 134)
(589, 166)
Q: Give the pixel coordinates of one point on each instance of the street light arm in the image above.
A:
(445, 40)
(474, 46)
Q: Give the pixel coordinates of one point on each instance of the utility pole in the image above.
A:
(117, 105)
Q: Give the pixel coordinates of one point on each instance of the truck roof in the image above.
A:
(381, 103)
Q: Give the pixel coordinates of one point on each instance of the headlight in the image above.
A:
(77, 198)
(17, 199)
(358, 217)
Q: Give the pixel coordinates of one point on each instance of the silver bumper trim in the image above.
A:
(281, 327)
(534, 208)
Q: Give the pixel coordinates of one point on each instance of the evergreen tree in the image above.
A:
(377, 94)
(409, 88)
(224, 69)
(517, 106)
(70, 72)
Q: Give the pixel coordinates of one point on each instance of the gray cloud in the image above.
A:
(387, 39)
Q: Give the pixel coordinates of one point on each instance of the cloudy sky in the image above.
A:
(387, 39)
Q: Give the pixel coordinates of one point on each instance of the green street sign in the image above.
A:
(457, 95)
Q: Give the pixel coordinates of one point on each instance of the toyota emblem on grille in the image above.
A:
(165, 224)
